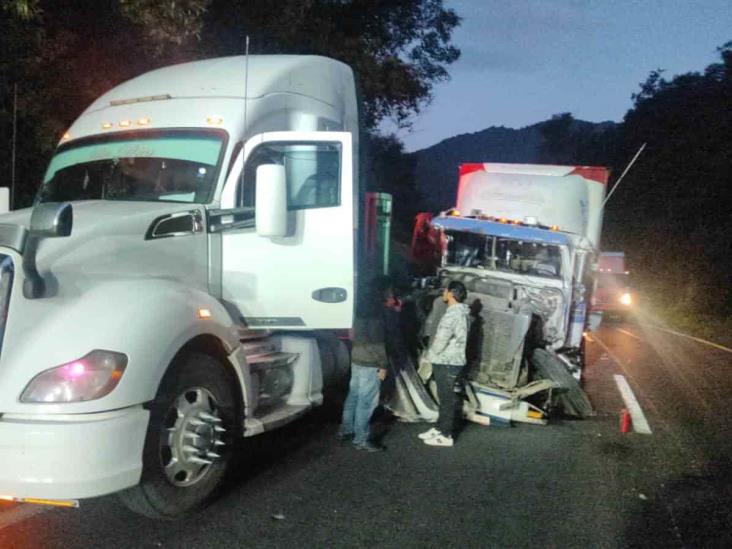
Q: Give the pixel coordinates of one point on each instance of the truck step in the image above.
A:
(273, 418)
(271, 360)
(247, 334)
(259, 347)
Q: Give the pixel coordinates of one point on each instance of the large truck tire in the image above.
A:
(335, 359)
(194, 423)
(569, 398)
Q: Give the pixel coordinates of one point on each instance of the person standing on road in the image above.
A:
(447, 355)
(368, 370)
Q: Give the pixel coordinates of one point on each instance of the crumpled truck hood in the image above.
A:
(549, 304)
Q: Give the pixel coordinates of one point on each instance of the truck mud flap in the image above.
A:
(401, 405)
(410, 400)
(568, 397)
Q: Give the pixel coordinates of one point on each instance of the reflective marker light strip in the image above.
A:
(38, 501)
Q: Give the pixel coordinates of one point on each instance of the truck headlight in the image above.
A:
(88, 378)
(626, 299)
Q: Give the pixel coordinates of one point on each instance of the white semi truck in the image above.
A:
(180, 281)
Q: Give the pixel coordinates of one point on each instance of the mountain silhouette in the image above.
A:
(560, 140)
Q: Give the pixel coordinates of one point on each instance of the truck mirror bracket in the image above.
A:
(33, 286)
(49, 220)
(230, 219)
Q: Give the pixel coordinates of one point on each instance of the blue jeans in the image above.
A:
(362, 399)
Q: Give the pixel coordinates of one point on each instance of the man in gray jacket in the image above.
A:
(447, 355)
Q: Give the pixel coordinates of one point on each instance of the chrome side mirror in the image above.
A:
(48, 220)
(51, 219)
(271, 200)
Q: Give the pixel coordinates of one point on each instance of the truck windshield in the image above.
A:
(503, 254)
(177, 166)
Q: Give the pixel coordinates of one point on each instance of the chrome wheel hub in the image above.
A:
(191, 438)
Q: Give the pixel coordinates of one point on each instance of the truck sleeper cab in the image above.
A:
(208, 264)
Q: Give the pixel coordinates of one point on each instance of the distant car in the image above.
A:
(612, 294)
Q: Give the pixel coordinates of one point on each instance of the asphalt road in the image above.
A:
(568, 484)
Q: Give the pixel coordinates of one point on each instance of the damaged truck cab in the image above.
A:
(537, 227)
(523, 239)
(180, 282)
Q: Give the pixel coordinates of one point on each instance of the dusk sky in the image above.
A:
(525, 60)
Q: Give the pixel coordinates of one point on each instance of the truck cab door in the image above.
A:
(304, 279)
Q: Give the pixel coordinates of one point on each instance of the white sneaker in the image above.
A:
(439, 440)
(429, 434)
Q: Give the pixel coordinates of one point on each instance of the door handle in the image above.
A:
(330, 295)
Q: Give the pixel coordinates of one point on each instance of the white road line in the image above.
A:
(23, 511)
(640, 425)
(698, 339)
(626, 332)
(681, 444)
(648, 399)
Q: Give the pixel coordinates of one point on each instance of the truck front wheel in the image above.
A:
(193, 425)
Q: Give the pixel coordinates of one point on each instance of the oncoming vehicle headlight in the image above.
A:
(90, 377)
(626, 299)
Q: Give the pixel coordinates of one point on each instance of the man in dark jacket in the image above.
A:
(397, 351)
(368, 370)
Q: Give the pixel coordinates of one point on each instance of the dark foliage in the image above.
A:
(672, 213)
(386, 168)
(398, 49)
(62, 54)
(560, 140)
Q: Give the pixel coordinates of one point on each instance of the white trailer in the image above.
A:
(180, 280)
